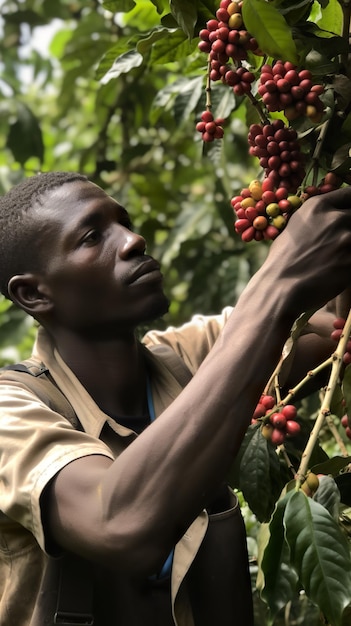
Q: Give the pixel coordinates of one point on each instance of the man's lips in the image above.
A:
(147, 271)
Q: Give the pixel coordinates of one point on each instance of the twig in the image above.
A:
(324, 411)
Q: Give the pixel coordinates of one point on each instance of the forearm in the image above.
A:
(176, 463)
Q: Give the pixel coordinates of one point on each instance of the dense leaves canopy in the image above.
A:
(116, 95)
(114, 89)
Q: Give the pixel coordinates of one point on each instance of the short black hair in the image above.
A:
(19, 250)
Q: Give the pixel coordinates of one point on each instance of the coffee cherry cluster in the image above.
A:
(285, 88)
(209, 127)
(346, 423)
(261, 212)
(330, 182)
(239, 78)
(338, 325)
(278, 150)
(226, 38)
(280, 424)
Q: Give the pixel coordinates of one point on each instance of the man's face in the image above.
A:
(99, 278)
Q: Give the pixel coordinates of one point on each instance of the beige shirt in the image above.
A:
(36, 442)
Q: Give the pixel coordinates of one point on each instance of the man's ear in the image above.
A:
(30, 293)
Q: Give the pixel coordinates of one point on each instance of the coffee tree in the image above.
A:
(280, 69)
(287, 64)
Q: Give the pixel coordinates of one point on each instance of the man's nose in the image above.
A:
(130, 244)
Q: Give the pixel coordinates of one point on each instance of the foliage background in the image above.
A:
(132, 132)
(65, 104)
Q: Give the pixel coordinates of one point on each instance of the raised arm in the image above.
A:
(128, 513)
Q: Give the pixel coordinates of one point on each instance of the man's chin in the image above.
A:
(157, 310)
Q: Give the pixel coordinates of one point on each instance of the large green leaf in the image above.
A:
(328, 495)
(185, 13)
(173, 48)
(122, 65)
(329, 18)
(270, 29)
(187, 99)
(320, 555)
(116, 6)
(280, 579)
(25, 137)
(259, 470)
(295, 11)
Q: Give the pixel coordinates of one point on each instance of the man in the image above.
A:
(127, 502)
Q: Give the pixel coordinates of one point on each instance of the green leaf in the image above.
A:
(25, 137)
(296, 11)
(328, 495)
(271, 30)
(119, 6)
(189, 224)
(173, 48)
(185, 13)
(280, 579)
(122, 65)
(160, 5)
(146, 43)
(187, 99)
(320, 555)
(258, 471)
(234, 473)
(332, 466)
(330, 17)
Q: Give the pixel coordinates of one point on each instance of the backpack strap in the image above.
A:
(66, 593)
(37, 378)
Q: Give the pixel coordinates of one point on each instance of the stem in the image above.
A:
(289, 464)
(307, 378)
(277, 388)
(264, 119)
(319, 143)
(208, 86)
(324, 411)
(318, 149)
(294, 390)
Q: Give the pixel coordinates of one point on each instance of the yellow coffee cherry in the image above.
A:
(295, 201)
(233, 8)
(255, 188)
(248, 202)
(312, 481)
(273, 209)
(235, 21)
(266, 431)
(279, 222)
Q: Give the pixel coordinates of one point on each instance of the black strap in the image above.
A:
(66, 594)
(75, 575)
(27, 367)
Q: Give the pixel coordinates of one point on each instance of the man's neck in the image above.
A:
(113, 372)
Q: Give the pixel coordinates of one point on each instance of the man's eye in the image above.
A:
(93, 236)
